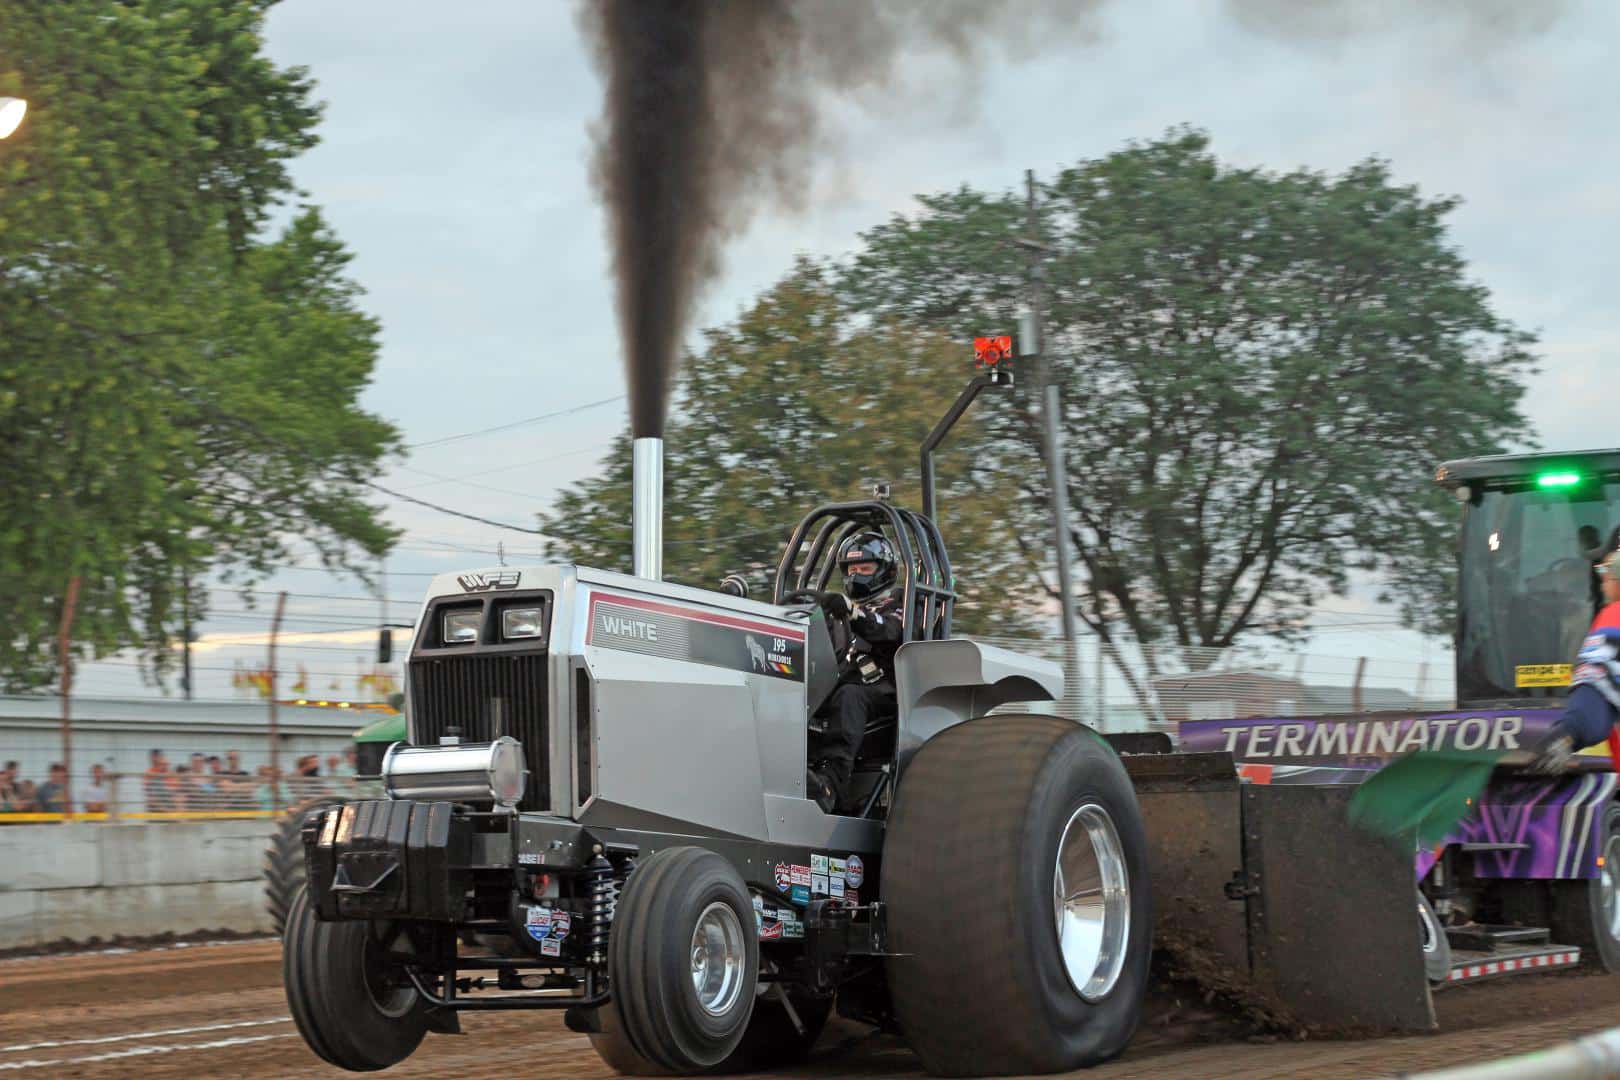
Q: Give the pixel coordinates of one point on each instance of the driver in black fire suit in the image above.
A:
(870, 571)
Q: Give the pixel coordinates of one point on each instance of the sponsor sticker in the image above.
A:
(530, 858)
(1541, 675)
(759, 902)
(542, 934)
(851, 897)
(854, 871)
(793, 929)
(539, 916)
(837, 867)
(801, 875)
(800, 894)
(551, 947)
(818, 884)
(560, 923)
(784, 875)
(818, 864)
(771, 932)
(835, 886)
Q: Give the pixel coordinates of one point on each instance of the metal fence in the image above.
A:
(1122, 686)
(188, 781)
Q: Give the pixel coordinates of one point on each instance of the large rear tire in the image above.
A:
(1015, 874)
(683, 959)
(1587, 913)
(284, 867)
(346, 1004)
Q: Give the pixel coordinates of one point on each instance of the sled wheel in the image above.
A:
(1015, 873)
(683, 962)
(1436, 946)
(284, 867)
(350, 1005)
(1587, 913)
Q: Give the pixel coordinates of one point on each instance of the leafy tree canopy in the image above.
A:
(796, 403)
(1260, 372)
(178, 379)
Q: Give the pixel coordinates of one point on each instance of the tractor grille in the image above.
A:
(487, 697)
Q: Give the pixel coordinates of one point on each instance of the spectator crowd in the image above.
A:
(206, 783)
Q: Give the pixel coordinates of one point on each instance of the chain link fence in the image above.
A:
(1121, 686)
(117, 778)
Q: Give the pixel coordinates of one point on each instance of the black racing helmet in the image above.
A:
(867, 547)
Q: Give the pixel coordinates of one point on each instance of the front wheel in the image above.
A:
(683, 960)
(1015, 872)
(350, 1003)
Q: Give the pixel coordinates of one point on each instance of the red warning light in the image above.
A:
(991, 351)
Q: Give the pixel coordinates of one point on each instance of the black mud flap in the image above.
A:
(1268, 895)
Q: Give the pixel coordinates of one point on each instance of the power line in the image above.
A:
(446, 510)
(515, 423)
(502, 468)
(309, 459)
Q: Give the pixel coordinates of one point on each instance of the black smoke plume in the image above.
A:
(712, 110)
(713, 107)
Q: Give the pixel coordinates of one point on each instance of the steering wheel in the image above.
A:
(837, 625)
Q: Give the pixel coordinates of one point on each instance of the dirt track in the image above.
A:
(214, 1010)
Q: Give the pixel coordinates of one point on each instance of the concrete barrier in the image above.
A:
(81, 880)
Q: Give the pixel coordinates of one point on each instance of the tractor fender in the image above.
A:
(940, 684)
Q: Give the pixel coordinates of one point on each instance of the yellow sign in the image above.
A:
(1542, 674)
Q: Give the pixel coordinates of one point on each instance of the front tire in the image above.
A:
(683, 959)
(1587, 913)
(1015, 870)
(344, 998)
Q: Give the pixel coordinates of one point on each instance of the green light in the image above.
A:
(1558, 479)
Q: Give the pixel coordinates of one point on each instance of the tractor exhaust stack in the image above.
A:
(647, 507)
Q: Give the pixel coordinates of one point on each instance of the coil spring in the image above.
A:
(602, 893)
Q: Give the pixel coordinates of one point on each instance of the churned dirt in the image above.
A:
(216, 1009)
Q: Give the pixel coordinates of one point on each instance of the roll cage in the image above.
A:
(927, 588)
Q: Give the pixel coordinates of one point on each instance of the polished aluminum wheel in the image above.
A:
(1091, 902)
(719, 958)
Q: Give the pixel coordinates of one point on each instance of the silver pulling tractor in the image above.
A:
(603, 809)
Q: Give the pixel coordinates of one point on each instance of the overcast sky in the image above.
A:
(453, 164)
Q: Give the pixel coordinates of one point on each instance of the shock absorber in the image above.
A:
(600, 895)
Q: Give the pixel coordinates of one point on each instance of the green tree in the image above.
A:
(1259, 370)
(178, 381)
(794, 404)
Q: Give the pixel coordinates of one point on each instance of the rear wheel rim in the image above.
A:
(1091, 902)
(719, 957)
(1610, 889)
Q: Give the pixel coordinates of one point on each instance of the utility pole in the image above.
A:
(1052, 431)
(64, 660)
(275, 721)
(185, 630)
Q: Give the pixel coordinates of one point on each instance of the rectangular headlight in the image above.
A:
(461, 627)
(523, 622)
